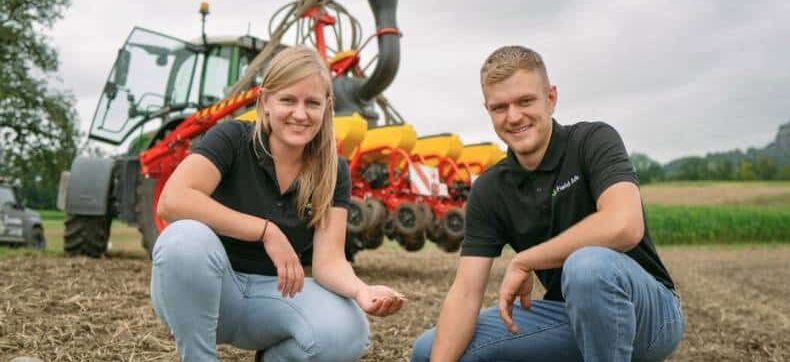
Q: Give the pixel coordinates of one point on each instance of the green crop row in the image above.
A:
(713, 224)
(718, 224)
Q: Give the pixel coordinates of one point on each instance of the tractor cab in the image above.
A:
(159, 77)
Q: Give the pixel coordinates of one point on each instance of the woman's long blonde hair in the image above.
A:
(318, 175)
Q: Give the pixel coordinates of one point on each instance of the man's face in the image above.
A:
(520, 108)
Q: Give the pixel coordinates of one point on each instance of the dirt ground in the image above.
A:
(736, 299)
(718, 193)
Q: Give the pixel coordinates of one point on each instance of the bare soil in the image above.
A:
(718, 193)
(736, 300)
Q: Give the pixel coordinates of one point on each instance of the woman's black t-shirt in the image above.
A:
(249, 185)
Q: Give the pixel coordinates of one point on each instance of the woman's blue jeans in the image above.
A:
(204, 302)
(613, 311)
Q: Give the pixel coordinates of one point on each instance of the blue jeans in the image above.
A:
(613, 311)
(204, 302)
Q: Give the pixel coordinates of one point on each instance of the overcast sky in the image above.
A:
(675, 78)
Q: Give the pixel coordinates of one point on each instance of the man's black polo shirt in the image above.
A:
(249, 185)
(511, 205)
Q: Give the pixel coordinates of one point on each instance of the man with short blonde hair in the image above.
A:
(566, 199)
(504, 62)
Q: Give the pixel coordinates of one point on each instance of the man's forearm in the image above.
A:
(594, 230)
(456, 325)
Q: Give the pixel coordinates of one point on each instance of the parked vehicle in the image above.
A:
(19, 225)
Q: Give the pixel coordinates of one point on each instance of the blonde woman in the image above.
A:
(243, 207)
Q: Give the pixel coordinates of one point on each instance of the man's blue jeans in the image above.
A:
(613, 311)
(204, 302)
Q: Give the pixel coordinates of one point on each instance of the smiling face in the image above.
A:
(296, 112)
(520, 108)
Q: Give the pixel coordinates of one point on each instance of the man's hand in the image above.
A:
(290, 275)
(517, 282)
(379, 301)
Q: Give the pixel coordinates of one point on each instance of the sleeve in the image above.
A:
(606, 160)
(483, 234)
(221, 145)
(342, 196)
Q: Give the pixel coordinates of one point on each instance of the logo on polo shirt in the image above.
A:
(565, 185)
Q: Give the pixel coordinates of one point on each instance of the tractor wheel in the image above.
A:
(434, 231)
(377, 213)
(357, 216)
(37, 239)
(353, 245)
(374, 239)
(408, 219)
(144, 208)
(411, 242)
(426, 215)
(86, 235)
(453, 223)
(389, 226)
(450, 245)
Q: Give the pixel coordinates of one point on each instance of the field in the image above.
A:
(736, 297)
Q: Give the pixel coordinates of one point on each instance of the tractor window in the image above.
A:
(182, 78)
(141, 83)
(244, 61)
(216, 79)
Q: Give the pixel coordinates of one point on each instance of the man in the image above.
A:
(566, 199)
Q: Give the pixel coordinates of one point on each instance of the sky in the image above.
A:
(675, 78)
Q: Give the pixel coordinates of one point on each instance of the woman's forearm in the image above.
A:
(186, 203)
(337, 276)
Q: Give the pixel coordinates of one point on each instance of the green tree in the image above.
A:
(647, 169)
(37, 122)
(766, 168)
(722, 168)
(692, 168)
(746, 171)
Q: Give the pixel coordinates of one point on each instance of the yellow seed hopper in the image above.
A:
(400, 136)
(444, 145)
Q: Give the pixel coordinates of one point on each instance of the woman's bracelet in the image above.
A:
(263, 233)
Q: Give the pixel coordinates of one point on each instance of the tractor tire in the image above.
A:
(144, 208)
(411, 242)
(389, 227)
(358, 219)
(408, 219)
(372, 240)
(434, 232)
(453, 222)
(427, 215)
(377, 213)
(86, 235)
(37, 239)
(450, 245)
(353, 245)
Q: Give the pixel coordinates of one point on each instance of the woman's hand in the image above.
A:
(379, 301)
(290, 275)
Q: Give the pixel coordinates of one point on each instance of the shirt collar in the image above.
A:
(551, 159)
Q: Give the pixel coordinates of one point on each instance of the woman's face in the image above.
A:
(296, 112)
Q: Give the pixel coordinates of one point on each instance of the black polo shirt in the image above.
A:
(249, 185)
(509, 204)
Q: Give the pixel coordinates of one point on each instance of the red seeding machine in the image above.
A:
(164, 93)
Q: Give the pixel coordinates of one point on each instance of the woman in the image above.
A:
(244, 206)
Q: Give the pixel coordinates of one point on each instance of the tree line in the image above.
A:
(733, 166)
